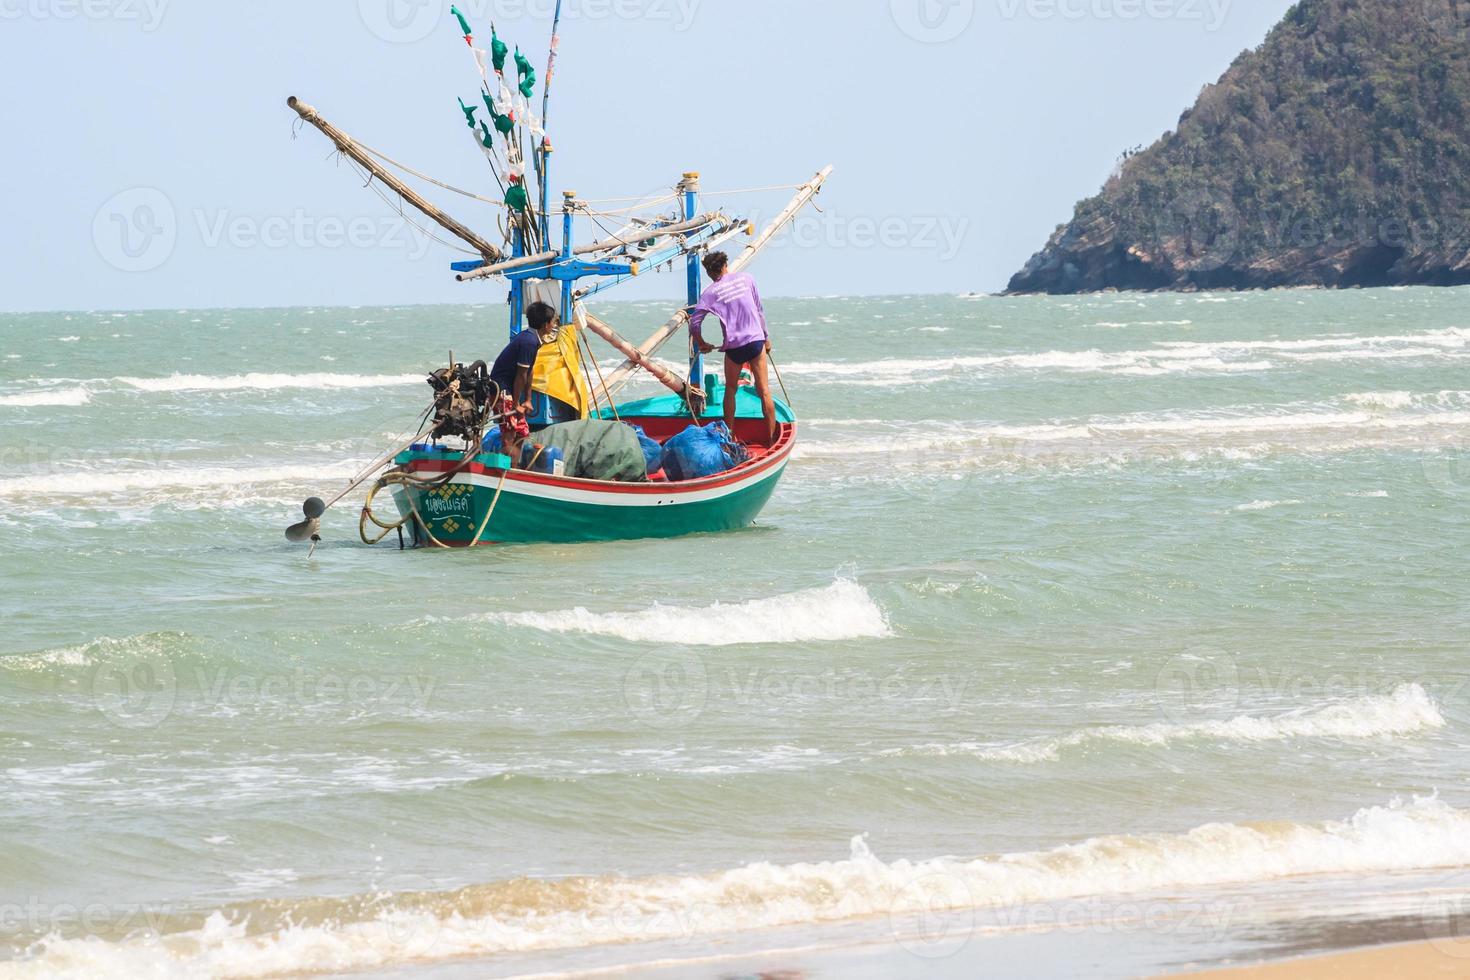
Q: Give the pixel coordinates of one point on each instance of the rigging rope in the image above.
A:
(397, 207)
(423, 176)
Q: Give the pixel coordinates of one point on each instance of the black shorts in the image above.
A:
(746, 354)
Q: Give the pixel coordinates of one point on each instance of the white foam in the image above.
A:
(268, 382)
(1255, 505)
(1439, 417)
(1387, 400)
(1164, 358)
(67, 398)
(100, 481)
(841, 611)
(901, 371)
(1408, 710)
(543, 915)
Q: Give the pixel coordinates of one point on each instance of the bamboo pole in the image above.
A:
(602, 246)
(665, 377)
(347, 145)
(507, 266)
(678, 321)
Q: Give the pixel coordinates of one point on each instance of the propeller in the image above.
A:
(309, 529)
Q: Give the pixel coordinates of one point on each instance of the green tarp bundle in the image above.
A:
(597, 449)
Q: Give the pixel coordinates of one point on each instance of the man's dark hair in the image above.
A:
(715, 264)
(540, 315)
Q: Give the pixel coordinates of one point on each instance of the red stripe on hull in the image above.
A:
(769, 458)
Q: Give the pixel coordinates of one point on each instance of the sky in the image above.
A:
(151, 160)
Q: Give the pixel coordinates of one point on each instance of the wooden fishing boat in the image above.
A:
(448, 490)
(488, 502)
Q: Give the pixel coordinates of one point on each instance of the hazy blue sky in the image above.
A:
(149, 157)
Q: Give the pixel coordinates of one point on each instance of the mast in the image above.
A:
(568, 209)
(620, 375)
(544, 150)
(697, 404)
(346, 144)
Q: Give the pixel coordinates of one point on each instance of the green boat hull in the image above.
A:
(487, 503)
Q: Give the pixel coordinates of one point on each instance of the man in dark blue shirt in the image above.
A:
(513, 373)
(516, 364)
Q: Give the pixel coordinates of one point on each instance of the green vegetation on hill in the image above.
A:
(1335, 154)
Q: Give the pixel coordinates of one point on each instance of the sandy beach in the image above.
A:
(1438, 958)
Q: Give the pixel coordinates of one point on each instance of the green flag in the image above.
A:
(498, 51)
(469, 113)
(527, 74)
(516, 198)
(464, 25)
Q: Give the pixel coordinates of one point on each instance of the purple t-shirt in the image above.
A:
(736, 301)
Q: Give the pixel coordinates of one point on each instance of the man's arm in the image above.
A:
(761, 309)
(523, 387)
(696, 320)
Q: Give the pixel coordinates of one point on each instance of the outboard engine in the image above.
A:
(464, 399)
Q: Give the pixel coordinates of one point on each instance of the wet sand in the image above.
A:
(1441, 958)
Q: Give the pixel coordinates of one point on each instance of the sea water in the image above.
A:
(1061, 602)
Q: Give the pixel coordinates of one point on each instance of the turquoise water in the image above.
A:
(1157, 595)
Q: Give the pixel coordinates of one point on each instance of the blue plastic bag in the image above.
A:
(697, 452)
(653, 453)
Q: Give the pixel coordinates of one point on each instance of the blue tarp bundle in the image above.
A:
(698, 452)
(653, 453)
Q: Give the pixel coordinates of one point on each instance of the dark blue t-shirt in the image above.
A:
(520, 352)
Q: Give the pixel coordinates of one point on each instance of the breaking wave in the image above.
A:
(68, 398)
(1408, 710)
(298, 936)
(1164, 358)
(100, 481)
(268, 382)
(841, 611)
(1366, 419)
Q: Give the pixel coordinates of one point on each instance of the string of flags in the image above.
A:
(505, 107)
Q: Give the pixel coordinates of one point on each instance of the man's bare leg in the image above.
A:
(732, 388)
(758, 367)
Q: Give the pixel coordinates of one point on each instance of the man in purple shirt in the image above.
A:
(737, 303)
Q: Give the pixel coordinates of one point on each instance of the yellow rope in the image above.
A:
(409, 484)
(367, 513)
(772, 359)
(474, 542)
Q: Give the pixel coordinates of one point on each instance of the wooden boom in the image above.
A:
(664, 376)
(678, 321)
(348, 145)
